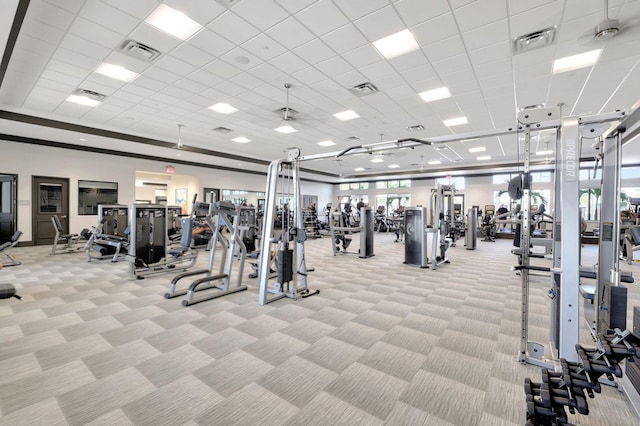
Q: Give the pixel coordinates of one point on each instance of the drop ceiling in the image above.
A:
(248, 50)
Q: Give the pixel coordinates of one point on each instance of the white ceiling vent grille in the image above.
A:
(353, 139)
(363, 89)
(140, 51)
(415, 128)
(534, 40)
(222, 130)
(90, 94)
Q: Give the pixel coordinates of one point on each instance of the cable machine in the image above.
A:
(284, 244)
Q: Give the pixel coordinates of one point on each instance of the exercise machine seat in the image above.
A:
(13, 241)
(8, 291)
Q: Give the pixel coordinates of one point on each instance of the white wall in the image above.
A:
(27, 160)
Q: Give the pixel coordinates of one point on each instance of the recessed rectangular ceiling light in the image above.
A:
(544, 152)
(241, 139)
(393, 166)
(173, 22)
(434, 162)
(478, 149)
(484, 157)
(455, 121)
(435, 94)
(582, 60)
(326, 143)
(359, 169)
(346, 115)
(83, 100)
(396, 44)
(223, 108)
(116, 72)
(285, 129)
(377, 160)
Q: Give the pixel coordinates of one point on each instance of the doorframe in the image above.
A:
(35, 204)
(14, 194)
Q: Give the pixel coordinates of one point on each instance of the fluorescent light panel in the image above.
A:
(574, 62)
(484, 158)
(393, 166)
(359, 169)
(544, 152)
(346, 115)
(223, 108)
(435, 94)
(83, 100)
(435, 162)
(455, 121)
(116, 72)
(173, 22)
(326, 143)
(241, 139)
(396, 44)
(478, 149)
(285, 129)
(377, 160)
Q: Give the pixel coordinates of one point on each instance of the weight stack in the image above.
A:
(284, 266)
(615, 299)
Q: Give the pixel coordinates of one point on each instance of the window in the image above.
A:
(344, 187)
(393, 184)
(501, 179)
(458, 181)
(589, 199)
(537, 177)
(354, 186)
(630, 172)
(92, 193)
(391, 202)
(587, 174)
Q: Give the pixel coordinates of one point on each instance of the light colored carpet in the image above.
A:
(383, 343)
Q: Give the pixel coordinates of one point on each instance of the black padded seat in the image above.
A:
(8, 291)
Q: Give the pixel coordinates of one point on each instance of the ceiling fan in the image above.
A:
(609, 28)
(289, 114)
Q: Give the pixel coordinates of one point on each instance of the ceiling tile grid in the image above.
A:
(245, 54)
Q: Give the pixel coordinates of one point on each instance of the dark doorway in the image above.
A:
(8, 209)
(50, 197)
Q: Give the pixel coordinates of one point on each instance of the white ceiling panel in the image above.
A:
(492, 53)
(264, 47)
(413, 11)
(50, 14)
(261, 13)
(72, 6)
(199, 11)
(210, 42)
(536, 19)
(409, 61)
(138, 8)
(350, 79)
(289, 62)
(314, 51)
(191, 55)
(345, 39)
(309, 75)
(233, 28)
(84, 47)
(334, 66)
(293, 6)
(284, 33)
(444, 49)
(162, 75)
(96, 33)
(321, 17)
(246, 80)
(148, 35)
(355, 9)
(516, 7)
(362, 56)
(452, 64)
(40, 31)
(480, 13)
(380, 24)
(494, 32)
(221, 69)
(108, 16)
(440, 28)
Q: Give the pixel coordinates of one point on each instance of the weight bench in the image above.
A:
(632, 242)
(69, 240)
(4, 248)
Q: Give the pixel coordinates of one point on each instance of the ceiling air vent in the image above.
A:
(534, 40)
(352, 139)
(90, 94)
(415, 128)
(363, 89)
(222, 130)
(140, 51)
(440, 147)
